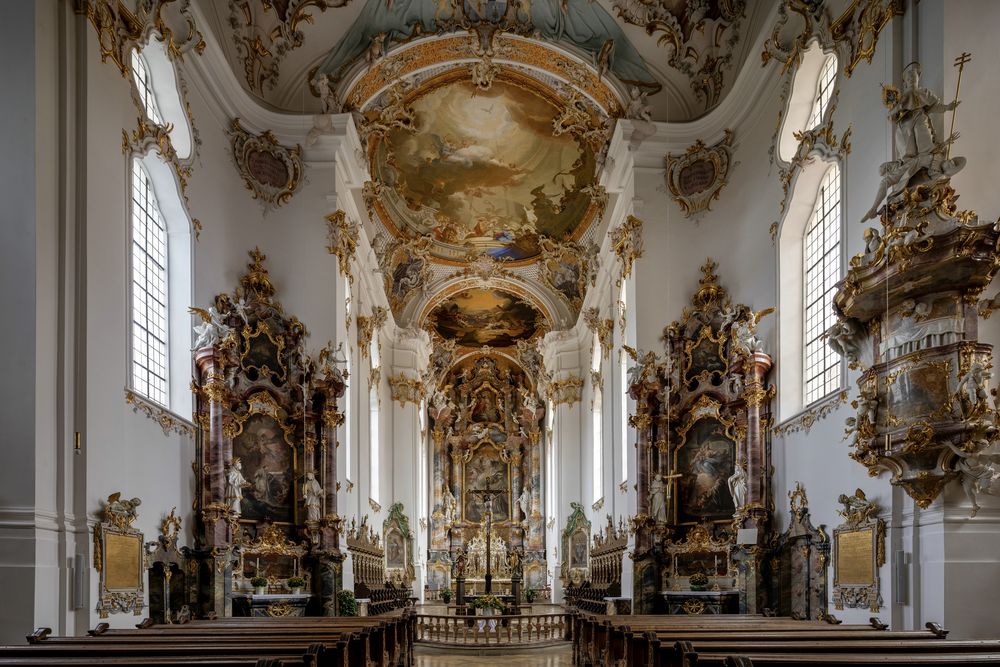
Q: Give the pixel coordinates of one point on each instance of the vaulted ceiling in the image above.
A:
(485, 123)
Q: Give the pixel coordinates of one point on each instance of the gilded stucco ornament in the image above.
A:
(696, 177)
(406, 269)
(699, 37)
(270, 171)
(858, 553)
(149, 136)
(565, 391)
(855, 32)
(820, 141)
(368, 326)
(626, 242)
(169, 422)
(569, 268)
(406, 389)
(803, 422)
(602, 327)
(342, 237)
(119, 558)
(119, 29)
(264, 34)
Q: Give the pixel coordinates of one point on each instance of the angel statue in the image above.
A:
(235, 483)
(972, 393)
(979, 474)
(312, 495)
(911, 113)
(212, 329)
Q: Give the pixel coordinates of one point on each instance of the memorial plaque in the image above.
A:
(124, 555)
(696, 177)
(855, 561)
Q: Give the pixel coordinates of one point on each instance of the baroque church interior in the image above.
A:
(597, 332)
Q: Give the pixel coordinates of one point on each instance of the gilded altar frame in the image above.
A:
(705, 408)
(265, 371)
(467, 455)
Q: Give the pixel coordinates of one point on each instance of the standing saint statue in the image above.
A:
(312, 494)
(918, 146)
(235, 482)
(738, 487)
(658, 499)
(448, 506)
(524, 503)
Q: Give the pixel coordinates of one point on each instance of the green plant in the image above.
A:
(698, 579)
(296, 582)
(530, 595)
(446, 595)
(346, 603)
(258, 581)
(488, 602)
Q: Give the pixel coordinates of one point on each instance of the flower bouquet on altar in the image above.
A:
(488, 605)
(698, 581)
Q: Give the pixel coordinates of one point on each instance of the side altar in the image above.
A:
(266, 469)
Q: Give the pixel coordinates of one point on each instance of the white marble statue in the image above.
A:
(327, 97)
(912, 112)
(524, 503)
(638, 106)
(738, 487)
(528, 400)
(212, 329)
(658, 499)
(847, 337)
(449, 506)
(312, 494)
(972, 389)
(235, 483)
(980, 474)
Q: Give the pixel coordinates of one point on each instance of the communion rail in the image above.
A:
(494, 631)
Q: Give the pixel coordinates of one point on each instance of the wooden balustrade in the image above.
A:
(494, 631)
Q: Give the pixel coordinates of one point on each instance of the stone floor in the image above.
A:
(556, 656)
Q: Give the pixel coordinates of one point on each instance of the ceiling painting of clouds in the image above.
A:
(484, 172)
(477, 317)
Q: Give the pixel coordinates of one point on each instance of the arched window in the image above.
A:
(810, 262)
(821, 271)
(623, 394)
(374, 417)
(809, 98)
(150, 292)
(596, 418)
(550, 459)
(824, 91)
(144, 86)
(348, 415)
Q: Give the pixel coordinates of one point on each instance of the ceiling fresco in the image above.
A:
(479, 317)
(484, 172)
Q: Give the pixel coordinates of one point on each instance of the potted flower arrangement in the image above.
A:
(446, 595)
(698, 581)
(347, 605)
(296, 584)
(489, 605)
(259, 584)
(530, 595)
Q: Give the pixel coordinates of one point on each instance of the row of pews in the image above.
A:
(757, 641)
(385, 641)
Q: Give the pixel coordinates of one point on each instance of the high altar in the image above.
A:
(486, 432)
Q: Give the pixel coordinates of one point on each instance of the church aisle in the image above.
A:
(556, 656)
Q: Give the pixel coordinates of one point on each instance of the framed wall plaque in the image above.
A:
(118, 557)
(858, 552)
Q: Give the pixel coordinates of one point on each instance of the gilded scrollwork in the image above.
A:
(271, 172)
(406, 389)
(858, 553)
(149, 136)
(169, 422)
(565, 391)
(342, 235)
(119, 558)
(696, 177)
(626, 242)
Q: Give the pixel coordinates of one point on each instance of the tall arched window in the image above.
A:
(550, 459)
(144, 86)
(597, 425)
(150, 315)
(821, 271)
(824, 91)
(374, 418)
(623, 394)
(348, 416)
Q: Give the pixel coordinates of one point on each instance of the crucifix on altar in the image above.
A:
(487, 496)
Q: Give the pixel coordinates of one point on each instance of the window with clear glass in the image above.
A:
(149, 291)
(373, 431)
(140, 74)
(596, 417)
(821, 269)
(824, 91)
(623, 398)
